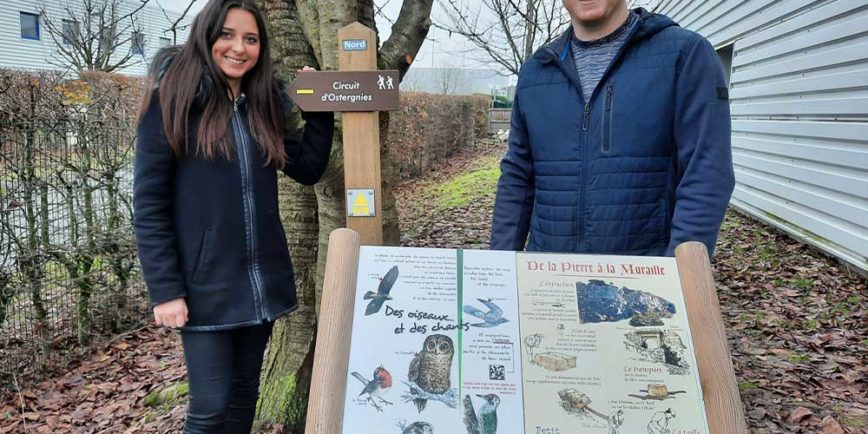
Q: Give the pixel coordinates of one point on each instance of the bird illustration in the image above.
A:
(375, 388)
(416, 428)
(382, 294)
(486, 421)
(430, 368)
(494, 316)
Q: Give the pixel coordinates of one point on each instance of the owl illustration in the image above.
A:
(431, 367)
(416, 428)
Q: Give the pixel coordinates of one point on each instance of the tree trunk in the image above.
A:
(286, 370)
(304, 32)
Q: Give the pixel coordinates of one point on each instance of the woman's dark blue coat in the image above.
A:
(209, 230)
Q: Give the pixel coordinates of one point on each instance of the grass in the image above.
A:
(468, 187)
(755, 316)
(794, 283)
(784, 324)
(853, 421)
(849, 420)
(802, 283)
(841, 309)
(167, 397)
(799, 358)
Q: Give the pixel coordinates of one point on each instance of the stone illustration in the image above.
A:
(554, 361)
(604, 302)
(659, 346)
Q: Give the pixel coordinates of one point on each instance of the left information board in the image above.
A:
(462, 341)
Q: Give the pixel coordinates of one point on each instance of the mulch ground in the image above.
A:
(796, 323)
(105, 393)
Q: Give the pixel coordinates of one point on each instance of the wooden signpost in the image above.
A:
(363, 175)
(359, 91)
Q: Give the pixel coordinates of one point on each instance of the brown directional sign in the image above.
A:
(345, 91)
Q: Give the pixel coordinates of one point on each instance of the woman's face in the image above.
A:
(236, 50)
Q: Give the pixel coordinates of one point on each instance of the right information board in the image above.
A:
(452, 341)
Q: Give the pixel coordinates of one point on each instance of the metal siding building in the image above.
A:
(798, 73)
(18, 52)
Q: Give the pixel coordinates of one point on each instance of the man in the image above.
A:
(659, 423)
(619, 141)
(615, 420)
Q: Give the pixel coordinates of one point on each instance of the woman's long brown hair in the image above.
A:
(192, 78)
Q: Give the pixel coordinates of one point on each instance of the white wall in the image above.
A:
(799, 99)
(19, 53)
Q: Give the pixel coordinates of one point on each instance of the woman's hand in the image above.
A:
(172, 313)
(304, 69)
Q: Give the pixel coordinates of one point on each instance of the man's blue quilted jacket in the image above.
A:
(640, 168)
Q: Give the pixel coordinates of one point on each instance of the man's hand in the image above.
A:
(172, 313)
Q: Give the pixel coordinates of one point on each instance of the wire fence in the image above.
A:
(67, 254)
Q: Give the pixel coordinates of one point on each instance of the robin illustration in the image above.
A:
(375, 388)
(493, 317)
(430, 368)
(486, 421)
(382, 294)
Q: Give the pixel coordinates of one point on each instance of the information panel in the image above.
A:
(482, 342)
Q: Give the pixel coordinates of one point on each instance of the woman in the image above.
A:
(211, 245)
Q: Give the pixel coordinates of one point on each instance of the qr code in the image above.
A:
(496, 372)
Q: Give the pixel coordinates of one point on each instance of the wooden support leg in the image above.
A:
(331, 358)
(719, 387)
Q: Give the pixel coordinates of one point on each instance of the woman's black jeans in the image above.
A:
(223, 370)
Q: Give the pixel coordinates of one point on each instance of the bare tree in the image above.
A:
(176, 25)
(508, 31)
(90, 34)
(447, 79)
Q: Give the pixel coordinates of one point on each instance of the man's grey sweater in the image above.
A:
(592, 58)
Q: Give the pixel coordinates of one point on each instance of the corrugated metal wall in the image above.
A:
(799, 94)
(19, 53)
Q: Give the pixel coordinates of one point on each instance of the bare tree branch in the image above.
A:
(508, 31)
(408, 34)
(90, 33)
(176, 24)
(447, 79)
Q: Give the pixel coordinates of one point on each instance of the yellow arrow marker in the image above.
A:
(304, 92)
(360, 206)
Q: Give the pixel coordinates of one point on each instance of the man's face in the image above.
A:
(593, 13)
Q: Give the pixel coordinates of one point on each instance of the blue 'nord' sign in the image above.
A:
(355, 45)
